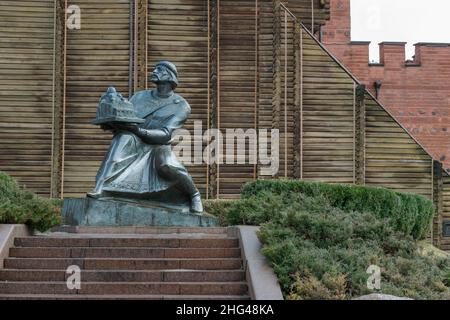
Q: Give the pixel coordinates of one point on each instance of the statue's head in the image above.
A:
(165, 71)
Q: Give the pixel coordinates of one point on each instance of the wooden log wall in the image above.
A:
(98, 56)
(238, 87)
(57, 152)
(310, 11)
(27, 43)
(266, 74)
(329, 100)
(393, 159)
(328, 116)
(287, 79)
(178, 31)
(373, 147)
(243, 64)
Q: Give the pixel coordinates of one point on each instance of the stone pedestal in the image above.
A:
(108, 212)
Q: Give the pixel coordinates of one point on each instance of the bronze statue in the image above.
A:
(140, 163)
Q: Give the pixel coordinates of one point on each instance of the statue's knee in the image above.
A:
(165, 170)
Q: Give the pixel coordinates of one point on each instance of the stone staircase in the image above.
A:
(145, 263)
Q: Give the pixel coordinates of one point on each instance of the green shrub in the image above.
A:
(218, 208)
(19, 206)
(321, 252)
(411, 214)
(320, 239)
(330, 287)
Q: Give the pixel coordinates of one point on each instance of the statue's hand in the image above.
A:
(131, 127)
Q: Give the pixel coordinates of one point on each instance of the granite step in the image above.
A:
(126, 288)
(124, 263)
(127, 263)
(152, 242)
(110, 252)
(119, 297)
(124, 275)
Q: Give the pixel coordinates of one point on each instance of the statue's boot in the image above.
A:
(196, 203)
(95, 194)
(184, 182)
(104, 173)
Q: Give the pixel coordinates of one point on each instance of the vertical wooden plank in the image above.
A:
(208, 94)
(276, 98)
(213, 88)
(58, 98)
(360, 129)
(301, 104)
(445, 214)
(265, 69)
(135, 43)
(438, 185)
(218, 99)
(256, 110)
(285, 111)
(354, 133)
(131, 66)
(64, 101)
(142, 45)
(297, 102)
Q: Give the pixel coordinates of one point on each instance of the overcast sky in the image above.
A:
(408, 21)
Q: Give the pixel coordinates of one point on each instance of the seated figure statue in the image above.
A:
(140, 163)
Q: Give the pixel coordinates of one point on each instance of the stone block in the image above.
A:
(110, 212)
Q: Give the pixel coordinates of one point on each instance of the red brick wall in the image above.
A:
(417, 93)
